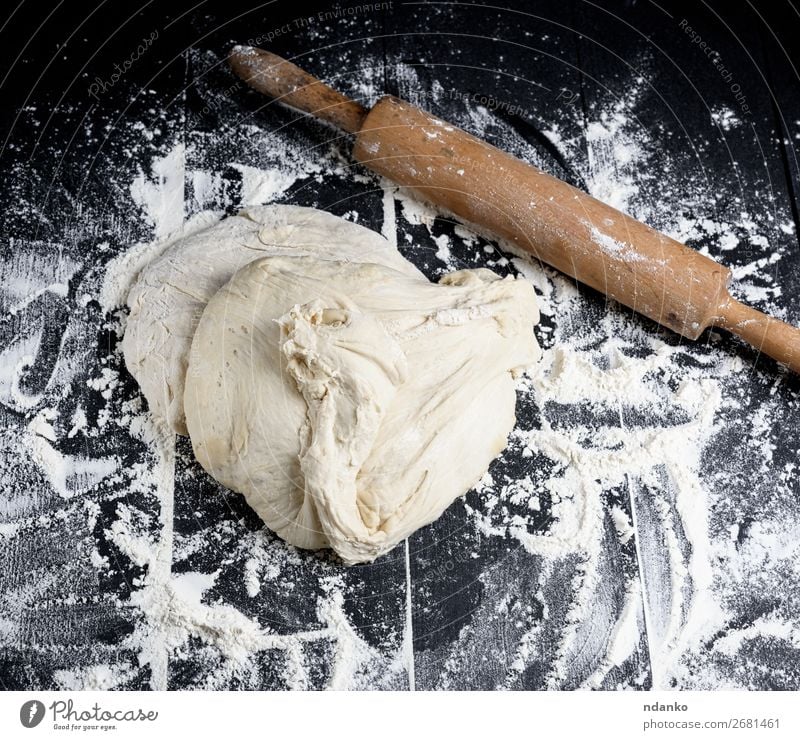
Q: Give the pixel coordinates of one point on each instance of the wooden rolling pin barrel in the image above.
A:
(543, 216)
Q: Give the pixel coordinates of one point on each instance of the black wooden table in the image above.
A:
(123, 565)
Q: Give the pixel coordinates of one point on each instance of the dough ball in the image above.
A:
(171, 292)
(352, 402)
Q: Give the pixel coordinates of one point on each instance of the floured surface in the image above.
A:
(641, 529)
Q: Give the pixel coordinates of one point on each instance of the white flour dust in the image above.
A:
(622, 448)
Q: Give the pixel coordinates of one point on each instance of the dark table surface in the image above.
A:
(123, 565)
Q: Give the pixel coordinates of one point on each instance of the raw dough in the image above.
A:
(324, 377)
(171, 292)
(352, 403)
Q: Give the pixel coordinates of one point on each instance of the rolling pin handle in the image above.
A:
(278, 78)
(767, 334)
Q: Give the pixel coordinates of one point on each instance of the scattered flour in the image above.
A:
(618, 447)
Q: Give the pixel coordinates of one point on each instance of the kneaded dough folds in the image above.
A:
(322, 376)
(171, 292)
(352, 402)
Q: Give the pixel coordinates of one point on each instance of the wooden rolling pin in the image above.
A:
(547, 218)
